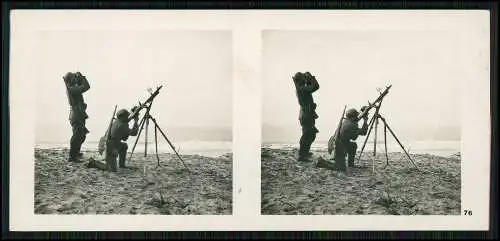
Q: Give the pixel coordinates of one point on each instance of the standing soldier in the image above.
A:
(76, 85)
(305, 85)
(120, 131)
(349, 130)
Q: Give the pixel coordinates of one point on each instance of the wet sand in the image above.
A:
(289, 187)
(72, 188)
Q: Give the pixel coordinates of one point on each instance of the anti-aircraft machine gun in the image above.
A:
(145, 123)
(374, 121)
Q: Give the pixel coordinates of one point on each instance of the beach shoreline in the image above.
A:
(439, 148)
(143, 187)
(213, 149)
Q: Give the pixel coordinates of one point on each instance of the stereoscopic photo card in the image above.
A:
(182, 120)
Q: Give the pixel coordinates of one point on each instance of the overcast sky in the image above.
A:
(194, 67)
(424, 68)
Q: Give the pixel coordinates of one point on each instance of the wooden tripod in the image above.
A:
(145, 122)
(374, 124)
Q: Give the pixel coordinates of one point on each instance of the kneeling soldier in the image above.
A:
(120, 131)
(349, 132)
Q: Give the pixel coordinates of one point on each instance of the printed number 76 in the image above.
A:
(468, 212)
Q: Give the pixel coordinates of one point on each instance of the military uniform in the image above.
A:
(305, 85)
(76, 85)
(349, 132)
(120, 131)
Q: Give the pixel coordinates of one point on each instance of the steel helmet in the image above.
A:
(352, 113)
(123, 113)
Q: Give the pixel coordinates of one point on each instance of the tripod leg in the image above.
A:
(375, 145)
(156, 146)
(146, 138)
(170, 143)
(370, 126)
(137, 139)
(385, 144)
(401, 145)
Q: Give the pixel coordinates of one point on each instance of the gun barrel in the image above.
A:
(379, 98)
(153, 95)
(150, 99)
(156, 92)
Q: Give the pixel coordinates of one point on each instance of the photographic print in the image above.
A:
(362, 122)
(133, 122)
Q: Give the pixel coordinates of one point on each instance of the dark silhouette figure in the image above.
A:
(76, 85)
(305, 85)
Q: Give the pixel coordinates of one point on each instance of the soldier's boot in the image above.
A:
(351, 161)
(111, 163)
(322, 163)
(340, 164)
(305, 152)
(305, 145)
(302, 156)
(122, 155)
(91, 163)
(73, 155)
(78, 151)
(97, 164)
(307, 149)
(73, 148)
(304, 159)
(351, 154)
(105, 166)
(311, 139)
(76, 142)
(112, 167)
(122, 160)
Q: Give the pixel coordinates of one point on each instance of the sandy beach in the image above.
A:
(294, 188)
(72, 188)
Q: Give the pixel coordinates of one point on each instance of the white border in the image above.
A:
(247, 26)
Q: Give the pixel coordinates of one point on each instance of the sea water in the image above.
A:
(218, 148)
(438, 148)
